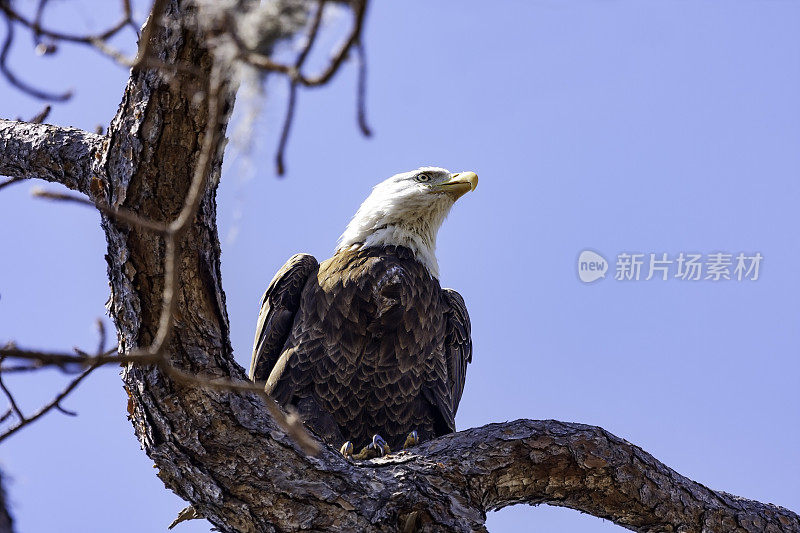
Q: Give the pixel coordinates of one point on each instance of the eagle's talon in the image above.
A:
(411, 440)
(377, 448)
(380, 444)
(347, 449)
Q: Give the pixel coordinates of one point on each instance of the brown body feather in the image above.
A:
(366, 342)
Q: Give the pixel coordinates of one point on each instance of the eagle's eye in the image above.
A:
(423, 178)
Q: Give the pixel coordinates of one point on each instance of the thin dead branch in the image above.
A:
(295, 74)
(361, 93)
(12, 78)
(298, 65)
(42, 360)
(39, 31)
(14, 407)
(41, 116)
(280, 167)
(53, 404)
(116, 213)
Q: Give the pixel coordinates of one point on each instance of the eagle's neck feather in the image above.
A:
(413, 229)
(423, 251)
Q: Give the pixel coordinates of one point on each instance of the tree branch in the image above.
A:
(585, 468)
(63, 155)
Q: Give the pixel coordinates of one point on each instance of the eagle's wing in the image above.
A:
(458, 346)
(278, 308)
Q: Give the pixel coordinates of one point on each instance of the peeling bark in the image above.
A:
(223, 453)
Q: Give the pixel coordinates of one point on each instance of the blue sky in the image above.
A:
(617, 126)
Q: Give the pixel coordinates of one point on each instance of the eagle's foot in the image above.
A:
(377, 448)
(411, 440)
(347, 449)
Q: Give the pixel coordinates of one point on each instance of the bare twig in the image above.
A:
(359, 8)
(263, 62)
(287, 126)
(41, 116)
(11, 369)
(295, 72)
(39, 30)
(62, 359)
(40, 360)
(117, 213)
(37, 19)
(311, 38)
(361, 93)
(65, 411)
(48, 407)
(12, 78)
(98, 41)
(101, 333)
(298, 65)
(11, 400)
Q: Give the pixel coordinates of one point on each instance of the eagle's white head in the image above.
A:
(407, 210)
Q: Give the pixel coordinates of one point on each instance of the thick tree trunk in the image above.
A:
(222, 452)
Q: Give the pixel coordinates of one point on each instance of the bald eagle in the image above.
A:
(367, 341)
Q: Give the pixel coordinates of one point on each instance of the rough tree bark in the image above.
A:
(222, 452)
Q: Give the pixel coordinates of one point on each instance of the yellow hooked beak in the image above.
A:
(459, 184)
